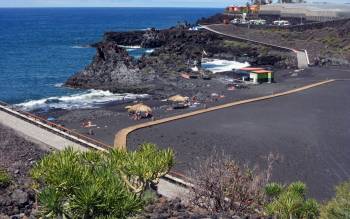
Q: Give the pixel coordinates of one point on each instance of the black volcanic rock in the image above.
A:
(112, 69)
(177, 50)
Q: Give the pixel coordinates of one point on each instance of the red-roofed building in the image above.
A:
(255, 74)
(260, 76)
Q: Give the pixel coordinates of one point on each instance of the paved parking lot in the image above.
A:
(310, 130)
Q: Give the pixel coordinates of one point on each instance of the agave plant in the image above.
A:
(290, 201)
(142, 167)
(96, 184)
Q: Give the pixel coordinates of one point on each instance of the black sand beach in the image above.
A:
(112, 117)
(309, 130)
(304, 128)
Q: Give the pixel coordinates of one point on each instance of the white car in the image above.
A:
(258, 22)
(235, 21)
(281, 23)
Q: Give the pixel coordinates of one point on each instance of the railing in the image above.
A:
(174, 177)
(53, 127)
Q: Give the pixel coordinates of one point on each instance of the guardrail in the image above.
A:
(174, 177)
(55, 128)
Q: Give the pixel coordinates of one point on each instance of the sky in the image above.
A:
(129, 3)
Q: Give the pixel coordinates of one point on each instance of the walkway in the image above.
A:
(302, 57)
(36, 134)
(45, 132)
(39, 132)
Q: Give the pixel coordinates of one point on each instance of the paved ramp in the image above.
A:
(40, 132)
(36, 134)
(44, 132)
(302, 56)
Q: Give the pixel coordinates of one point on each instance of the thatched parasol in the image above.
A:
(178, 98)
(139, 108)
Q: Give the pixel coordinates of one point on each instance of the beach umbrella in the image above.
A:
(128, 107)
(178, 98)
(139, 108)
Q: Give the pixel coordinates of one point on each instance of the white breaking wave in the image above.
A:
(86, 100)
(221, 65)
(130, 47)
(58, 85)
(80, 47)
(130, 50)
(195, 69)
(149, 50)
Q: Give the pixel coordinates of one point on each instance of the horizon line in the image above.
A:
(24, 7)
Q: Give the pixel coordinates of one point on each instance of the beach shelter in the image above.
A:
(178, 98)
(139, 108)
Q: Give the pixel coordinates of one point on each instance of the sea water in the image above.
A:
(42, 47)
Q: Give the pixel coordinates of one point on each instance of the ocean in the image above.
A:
(42, 47)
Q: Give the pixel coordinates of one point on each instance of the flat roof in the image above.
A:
(251, 69)
(261, 71)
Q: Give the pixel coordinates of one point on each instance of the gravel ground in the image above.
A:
(310, 131)
(17, 156)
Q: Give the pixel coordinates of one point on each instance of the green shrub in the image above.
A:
(273, 189)
(339, 206)
(96, 184)
(290, 201)
(5, 179)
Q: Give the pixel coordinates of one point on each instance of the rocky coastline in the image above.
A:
(176, 51)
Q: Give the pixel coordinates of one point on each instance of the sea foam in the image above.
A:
(148, 51)
(85, 100)
(221, 65)
(130, 47)
(80, 47)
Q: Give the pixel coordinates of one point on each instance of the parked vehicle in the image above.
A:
(235, 21)
(257, 22)
(281, 23)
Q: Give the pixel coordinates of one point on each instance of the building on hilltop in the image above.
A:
(308, 12)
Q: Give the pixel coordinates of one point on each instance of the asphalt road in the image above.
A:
(310, 131)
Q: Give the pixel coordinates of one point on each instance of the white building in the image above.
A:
(312, 12)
